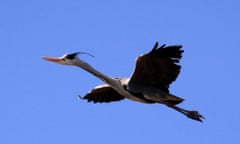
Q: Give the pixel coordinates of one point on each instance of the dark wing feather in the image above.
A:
(103, 93)
(157, 68)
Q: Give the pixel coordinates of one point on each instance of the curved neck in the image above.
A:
(93, 71)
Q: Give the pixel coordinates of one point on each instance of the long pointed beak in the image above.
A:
(52, 59)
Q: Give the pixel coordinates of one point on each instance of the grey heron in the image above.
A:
(149, 83)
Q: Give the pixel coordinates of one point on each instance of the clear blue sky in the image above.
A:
(39, 102)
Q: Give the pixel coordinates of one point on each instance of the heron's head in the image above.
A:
(66, 59)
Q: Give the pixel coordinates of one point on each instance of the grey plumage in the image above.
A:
(153, 74)
(149, 83)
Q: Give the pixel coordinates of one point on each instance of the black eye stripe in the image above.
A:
(71, 56)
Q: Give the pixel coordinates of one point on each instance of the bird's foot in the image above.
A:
(195, 115)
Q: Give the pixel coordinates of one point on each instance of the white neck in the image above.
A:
(93, 71)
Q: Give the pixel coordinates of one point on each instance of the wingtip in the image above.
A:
(155, 45)
(80, 97)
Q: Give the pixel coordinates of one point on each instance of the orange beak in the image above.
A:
(52, 59)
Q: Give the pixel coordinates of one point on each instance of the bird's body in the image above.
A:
(140, 94)
(149, 83)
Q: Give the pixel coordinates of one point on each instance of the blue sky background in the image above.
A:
(39, 102)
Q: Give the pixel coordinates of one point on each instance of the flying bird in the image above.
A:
(149, 83)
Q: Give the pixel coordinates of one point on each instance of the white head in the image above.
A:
(66, 59)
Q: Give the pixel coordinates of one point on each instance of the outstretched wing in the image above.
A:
(103, 93)
(158, 68)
